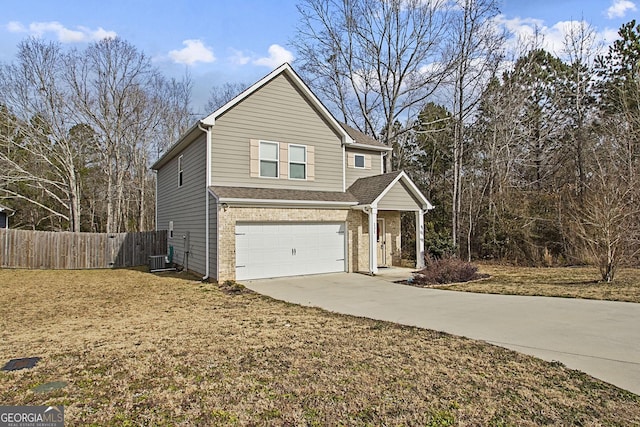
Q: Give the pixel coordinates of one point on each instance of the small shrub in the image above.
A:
(446, 270)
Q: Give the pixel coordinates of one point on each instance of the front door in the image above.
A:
(381, 238)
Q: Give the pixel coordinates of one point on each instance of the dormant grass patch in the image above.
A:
(143, 349)
(567, 282)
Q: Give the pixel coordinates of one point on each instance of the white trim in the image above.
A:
(381, 163)
(425, 203)
(420, 239)
(344, 170)
(373, 245)
(207, 226)
(364, 161)
(269, 160)
(369, 147)
(306, 154)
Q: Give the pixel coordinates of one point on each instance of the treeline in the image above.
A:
(550, 172)
(78, 130)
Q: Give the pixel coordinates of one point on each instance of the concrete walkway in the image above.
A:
(600, 338)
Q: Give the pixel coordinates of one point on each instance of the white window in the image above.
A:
(269, 159)
(180, 171)
(358, 161)
(297, 161)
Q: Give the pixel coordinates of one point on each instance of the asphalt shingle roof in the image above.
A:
(282, 194)
(361, 138)
(363, 192)
(366, 190)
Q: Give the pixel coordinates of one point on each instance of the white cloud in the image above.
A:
(277, 56)
(610, 35)
(239, 58)
(16, 27)
(619, 8)
(64, 35)
(527, 33)
(194, 51)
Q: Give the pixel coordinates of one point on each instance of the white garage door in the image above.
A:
(289, 249)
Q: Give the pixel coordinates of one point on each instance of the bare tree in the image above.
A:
(477, 52)
(220, 95)
(41, 155)
(375, 62)
(606, 217)
(117, 91)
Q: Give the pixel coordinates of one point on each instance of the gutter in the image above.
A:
(207, 130)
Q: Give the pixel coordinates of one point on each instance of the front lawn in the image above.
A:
(143, 349)
(568, 282)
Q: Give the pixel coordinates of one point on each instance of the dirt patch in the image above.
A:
(142, 349)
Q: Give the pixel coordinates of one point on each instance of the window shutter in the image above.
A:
(311, 163)
(284, 161)
(367, 161)
(254, 158)
(351, 160)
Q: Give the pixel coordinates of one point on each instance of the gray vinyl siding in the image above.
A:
(213, 238)
(276, 112)
(353, 174)
(399, 198)
(185, 205)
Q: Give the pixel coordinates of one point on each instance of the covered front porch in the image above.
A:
(382, 198)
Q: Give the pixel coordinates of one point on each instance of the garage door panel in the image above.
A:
(279, 249)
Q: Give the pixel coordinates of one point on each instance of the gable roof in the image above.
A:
(349, 135)
(4, 208)
(299, 84)
(370, 190)
(362, 140)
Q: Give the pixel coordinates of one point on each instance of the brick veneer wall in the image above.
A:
(357, 232)
(232, 215)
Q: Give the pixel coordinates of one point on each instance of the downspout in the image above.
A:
(207, 130)
(155, 219)
(344, 172)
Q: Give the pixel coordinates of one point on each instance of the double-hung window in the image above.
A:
(269, 152)
(180, 171)
(297, 161)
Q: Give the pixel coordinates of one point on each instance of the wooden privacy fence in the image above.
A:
(68, 251)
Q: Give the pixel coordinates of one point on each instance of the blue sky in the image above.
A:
(242, 40)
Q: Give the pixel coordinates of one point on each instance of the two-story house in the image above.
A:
(271, 184)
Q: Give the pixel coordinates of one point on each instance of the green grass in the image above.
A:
(142, 349)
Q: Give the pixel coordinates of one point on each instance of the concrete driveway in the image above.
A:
(600, 338)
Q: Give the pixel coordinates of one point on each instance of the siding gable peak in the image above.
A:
(299, 84)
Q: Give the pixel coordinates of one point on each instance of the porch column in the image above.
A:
(420, 239)
(373, 241)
